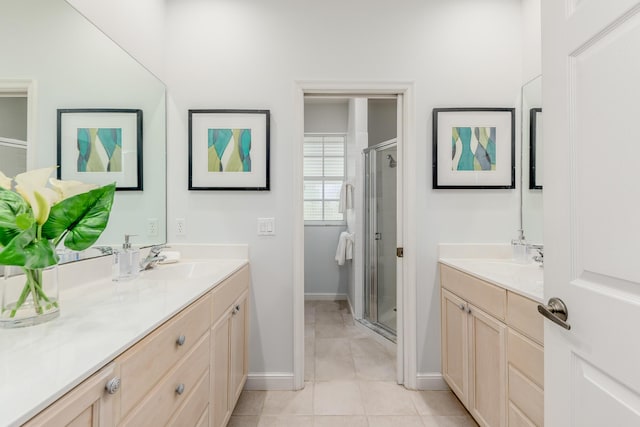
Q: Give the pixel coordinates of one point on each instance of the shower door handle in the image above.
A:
(378, 236)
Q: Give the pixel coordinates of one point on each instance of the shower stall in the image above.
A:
(380, 238)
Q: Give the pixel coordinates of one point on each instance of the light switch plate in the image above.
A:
(266, 226)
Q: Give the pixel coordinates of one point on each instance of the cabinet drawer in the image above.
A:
(145, 363)
(163, 400)
(526, 396)
(491, 299)
(192, 410)
(227, 292)
(527, 356)
(522, 314)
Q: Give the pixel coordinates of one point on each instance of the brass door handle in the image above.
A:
(556, 311)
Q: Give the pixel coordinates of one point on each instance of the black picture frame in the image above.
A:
(206, 168)
(500, 121)
(535, 118)
(126, 122)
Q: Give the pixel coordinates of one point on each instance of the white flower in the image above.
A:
(66, 189)
(5, 181)
(32, 186)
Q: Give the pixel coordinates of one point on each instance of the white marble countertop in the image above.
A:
(98, 321)
(524, 279)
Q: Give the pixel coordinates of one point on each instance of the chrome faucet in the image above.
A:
(153, 257)
(540, 257)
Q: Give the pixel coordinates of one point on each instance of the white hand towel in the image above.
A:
(345, 247)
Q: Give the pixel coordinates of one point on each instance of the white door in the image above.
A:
(591, 104)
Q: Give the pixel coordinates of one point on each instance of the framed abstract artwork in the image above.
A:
(229, 150)
(101, 146)
(535, 149)
(474, 148)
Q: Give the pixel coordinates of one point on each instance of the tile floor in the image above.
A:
(349, 381)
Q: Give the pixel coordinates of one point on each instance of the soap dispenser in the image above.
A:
(126, 263)
(519, 248)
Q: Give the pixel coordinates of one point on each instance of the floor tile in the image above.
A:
(243, 421)
(395, 421)
(289, 402)
(337, 398)
(339, 421)
(448, 421)
(329, 317)
(386, 398)
(285, 421)
(250, 403)
(437, 403)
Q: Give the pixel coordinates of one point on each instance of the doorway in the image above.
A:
(406, 267)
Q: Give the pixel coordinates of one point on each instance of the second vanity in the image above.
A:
(168, 346)
(492, 339)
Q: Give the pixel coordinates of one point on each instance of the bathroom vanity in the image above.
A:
(492, 339)
(146, 352)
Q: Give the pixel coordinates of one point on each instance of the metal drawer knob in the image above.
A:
(235, 310)
(113, 385)
(181, 340)
(180, 389)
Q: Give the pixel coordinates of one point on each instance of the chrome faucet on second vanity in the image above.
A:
(540, 257)
(153, 257)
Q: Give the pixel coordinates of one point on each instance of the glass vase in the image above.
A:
(29, 296)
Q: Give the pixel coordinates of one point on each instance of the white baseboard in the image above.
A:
(270, 381)
(325, 297)
(431, 381)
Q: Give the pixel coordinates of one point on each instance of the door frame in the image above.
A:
(407, 287)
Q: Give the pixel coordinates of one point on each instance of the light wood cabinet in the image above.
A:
(492, 354)
(229, 361)
(87, 405)
(474, 359)
(188, 372)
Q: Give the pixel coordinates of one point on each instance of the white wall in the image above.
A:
(382, 120)
(137, 26)
(531, 40)
(250, 53)
(13, 118)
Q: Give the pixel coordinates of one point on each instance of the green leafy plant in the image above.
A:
(40, 213)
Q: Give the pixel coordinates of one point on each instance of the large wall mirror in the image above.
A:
(53, 58)
(532, 165)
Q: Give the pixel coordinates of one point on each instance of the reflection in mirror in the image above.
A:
(532, 197)
(64, 61)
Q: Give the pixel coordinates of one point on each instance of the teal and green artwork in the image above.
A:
(99, 149)
(229, 150)
(473, 148)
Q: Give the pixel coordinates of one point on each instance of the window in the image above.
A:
(324, 173)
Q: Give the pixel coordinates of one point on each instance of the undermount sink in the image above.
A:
(182, 270)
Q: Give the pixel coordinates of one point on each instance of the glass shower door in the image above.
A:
(380, 288)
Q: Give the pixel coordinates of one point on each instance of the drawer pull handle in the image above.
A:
(462, 307)
(113, 385)
(180, 389)
(236, 309)
(181, 340)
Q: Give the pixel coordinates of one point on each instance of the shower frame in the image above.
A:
(371, 283)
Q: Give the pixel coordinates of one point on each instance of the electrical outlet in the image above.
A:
(181, 227)
(152, 226)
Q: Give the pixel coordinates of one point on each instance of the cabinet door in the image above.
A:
(87, 405)
(238, 351)
(487, 369)
(220, 333)
(455, 344)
